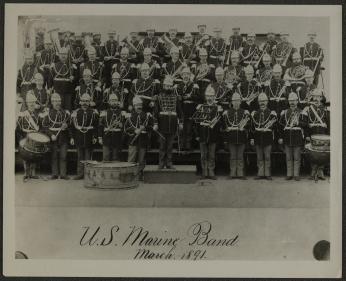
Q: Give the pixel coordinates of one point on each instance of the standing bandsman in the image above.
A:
(270, 45)
(138, 126)
(87, 86)
(153, 43)
(26, 74)
(126, 69)
(248, 90)
(110, 129)
(318, 123)
(283, 51)
(216, 48)
(207, 129)
(118, 89)
(236, 125)
(146, 88)
(56, 125)
(223, 91)
(204, 73)
(41, 94)
(45, 59)
(202, 37)
(187, 49)
(190, 97)
(154, 67)
(78, 53)
(63, 74)
(97, 44)
(312, 55)
(277, 91)
(169, 43)
(236, 41)
(262, 136)
(134, 48)
(85, 121)
(96, 67)
(110, 53)
(29, 121)
(264, 73)
(292, 125)
(168, 119)
(174, 67)
(234, 72)
(250, 54)
(296, 72)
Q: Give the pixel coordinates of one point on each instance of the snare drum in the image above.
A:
(320, 142)
(34, 147)
(110, 175)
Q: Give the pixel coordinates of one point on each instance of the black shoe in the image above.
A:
(170, 167)
(297, 178)
(34, 177)
(79, 177)
(26, 178)
(230, 177)
(160, 167)
(64, 177)
(269, 178)
(242, 178)
(212, 177)
(322, 178)
(203, 177)
(312, 178)
(289, 178)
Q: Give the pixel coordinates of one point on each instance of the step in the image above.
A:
(182, 174)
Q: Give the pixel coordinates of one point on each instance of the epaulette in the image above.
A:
(126, 90)
(52, 65)
(123, 113)
(194, 66)
(253, 113)
(273, 113)
(157, 66)
(149, 114)
(97, 88)
(103, 113)
(224, 113)
(283, 112)
(82, 64)
(227, 43)
(77, 88)
(306, 109)
(257, 71)
(74, 113)
(95, 111)
(127, 115)
(74, 66)
(246, 112)
(101, 63)
(43, 114)
(198, 106)
(134, 81)
(114, 65)
(106, 90)
(211, 65)
(141, 41)
(164, 65)
(207, 43)
(219, 108)
(175, 86)
(102, 44)
(133, 65)
(303, 112)
(67, 112)
(138, 65)
(156, 81)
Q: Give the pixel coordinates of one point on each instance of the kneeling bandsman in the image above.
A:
(207, 130)
(137, 127)
(168, 114)
(263, 121)
(110, 130)
(56, 125)
(85, 120)
(236, 122)
(292, 122)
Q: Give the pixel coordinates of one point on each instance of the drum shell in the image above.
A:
(320, 142)
(35, 146)
(28, 155)
(97, 175)
(316, 156)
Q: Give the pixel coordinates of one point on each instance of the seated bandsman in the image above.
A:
(87, 86)
(318, 124)
(250, 53)
(262, 136)
(45, 58)
(264, 70)
(204, 73)
(153, 43)
(78, 53)
(270, 45)
(216, 48)
(110, 129)
(201, 38)
(223, 91)
(55, 124)
(127, 70)
(96, 67)
(133, 46)
(249, 90)
(146, 88)
(236, 41)
(117, 89)
(234, 72)
(190, 97)
(283, 52)
(41, 94)
(187, 49)
(207, 132)
(137, 126)
(174, 67)
(292, 124)
(97, 44)
(29, 121)
(154, 67)
(295, 74)
(110, 53)
(236, 124)
(277, 91)
(167, 120)
(85, 121)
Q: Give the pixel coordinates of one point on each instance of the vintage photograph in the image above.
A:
(173, 137)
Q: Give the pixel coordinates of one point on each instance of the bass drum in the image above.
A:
(317, 157)
(28, 155)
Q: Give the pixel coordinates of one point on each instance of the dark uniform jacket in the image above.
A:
(269, 46)
(187, 52)
(168, 111)
(127, 71)
(155, 70)
(236, 42)
(237, 122)
(52, 124)
(135, 121)
(172, 68)
(234, 74)
(223, 94)
(250, 54)
(109, 50)
(216, 47)
(283, 50)
(315, 113)
(277, 95)
(110, 127)
(206, 133)
(96, 68)
(78, 53)
(60, 77)
(153, 42)
(263, 127)
(28, 122)
(94, 92)
(189, 96)
(25, 79)
(311, 54)
(291, 126)
(84, 126)
(122, 94)
(42, 97)
(246, 89)
(146, 89)
(204, 75)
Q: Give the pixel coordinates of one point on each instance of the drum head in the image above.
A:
(38, 137)
(115, 164)
(320, 137)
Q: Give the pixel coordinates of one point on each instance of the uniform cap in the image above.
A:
(187, 35)
(174, 50)
(30, 97)
(137, 100)
(173, 29)
(251, 34)
(309, 73)
(219, 71)
(63, 51)
(201, 25)
(267, 57)
(312, 34)
(186, 70)
(55, 97)
(147, 51)
(235, 54)
(236, 28)
(168, 80)
(113, 97)
(150, 29)
(262, 97)
(292, 96)
(277, 68)
(144, 66)
(115, 75)
(296, 55)
(87, 71)
(248, 69)
(284, 34)
(210, 91)
(133, 33)
(317, 92)
(85, 97)
(96, 34)
(203, 52)
(236, 96)
(124, 50)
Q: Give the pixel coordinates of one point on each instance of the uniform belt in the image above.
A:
(143, 132)
(168, 113)
(28, 131)
(84, 128)
(234, 129)
(112, 130)
(293, 128)
(188, 101)
(127, 80)
(56, 129)
(62, 79)
(214, 57)
(205, 79)
(277, 98)
(317, 58)
(263, 130)
(26, 83)
(316, 125)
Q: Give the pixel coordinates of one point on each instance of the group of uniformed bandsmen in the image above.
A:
(203, 88)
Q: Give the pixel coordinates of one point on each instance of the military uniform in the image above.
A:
(25, 79)
(283, 50)
(110, 55)
(155, 69)
(78, 55)
(269, 46)
(187, 52)
(97, 71)
(172, 68)
(44, 61)
(235, 43)
(146, 89)
(93, 91)
(304, 94)
(234, 74)
(110, 129)
(56, 122)
(312, 55)
(223, 94)
(42, 97)
(249, 91)
(154, 44)
(277, 93)
(204, 75)
(127, 71)
(123, 96)
(236, 125)
(217, 51)
(250, 54)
